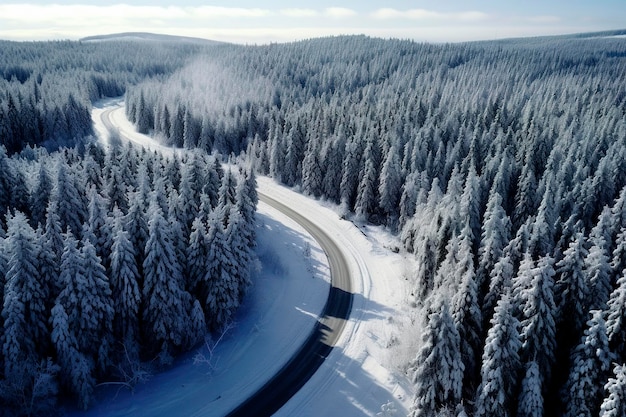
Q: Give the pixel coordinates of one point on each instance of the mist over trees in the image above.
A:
(47, 88)
(501, 165)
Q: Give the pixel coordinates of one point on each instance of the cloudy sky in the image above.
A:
(254, 22)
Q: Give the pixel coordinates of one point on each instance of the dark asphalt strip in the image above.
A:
(307, 360)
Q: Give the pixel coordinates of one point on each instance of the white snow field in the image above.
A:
(363, 376)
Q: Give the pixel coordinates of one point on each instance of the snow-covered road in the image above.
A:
(359, 376)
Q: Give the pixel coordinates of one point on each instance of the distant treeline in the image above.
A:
(46, 88)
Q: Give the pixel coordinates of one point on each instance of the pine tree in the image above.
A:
(590, 360)
(618, 263)
(164, 313)
(501, 277)
(390, 187)
(76, 368)
(312, 171)
(438, 375)
(94, 313)
(538, 326)
(125, 291)
(6, 182)
(500, 364)
(223, 296)
(496, 233)
(367, 190)
(572, 288)
(616, 317)
(237, 244)
(40, 196)
(597, 270)
(349, 179)
(24, 311)
(614, 405)
(98, 226)
(197, 255)
(136, 225)
(531, 398)
(71, 209)
(467, 316)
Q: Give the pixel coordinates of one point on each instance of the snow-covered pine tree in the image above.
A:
(136, 225)
(531, 398)
(40, 196)
(223, 296)
(618, 263)
(94, 309)
(538, 328)
(390, 187)
(614, 405)
(71, 210)
(164, 312)
(367, 191)
(125, 290)
(572, 289)
(237, 243)
(312, 174)
(438, 367)
(24, 310)
(98, 227)
(76, 368)
(597, 271)
(495, 235)
(591, 361)
(500, 364)
(616, 317)
(500, 280)
(467, 315)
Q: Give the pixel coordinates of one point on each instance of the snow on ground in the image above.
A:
(363, 374)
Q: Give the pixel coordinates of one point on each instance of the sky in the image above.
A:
(254, 22)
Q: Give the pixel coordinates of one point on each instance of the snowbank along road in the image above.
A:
(326, 333)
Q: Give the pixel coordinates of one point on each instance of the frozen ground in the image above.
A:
(364, 373)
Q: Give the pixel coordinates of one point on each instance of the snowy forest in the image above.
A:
(500, 165)
(113, 261)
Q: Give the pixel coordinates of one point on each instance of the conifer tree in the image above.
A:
(164, 313)
(614, 405)
(94, 313)
(390, 187)
(538, 328)
(572, 288)
(597, 270)
(500, 364)
(438, 375)
(24, 311)
(71, 210)
(531, 397)
(125, 291)
(616, 317)
(223, 295)
(591, 359)
(40, 196)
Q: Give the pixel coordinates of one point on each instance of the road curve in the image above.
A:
(309, 357)
(303, 364)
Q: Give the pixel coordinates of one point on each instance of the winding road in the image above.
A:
(309, 357)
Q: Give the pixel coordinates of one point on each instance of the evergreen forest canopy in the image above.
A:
(501, 165)
(111, 261)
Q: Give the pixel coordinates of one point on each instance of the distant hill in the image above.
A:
(150, 37)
